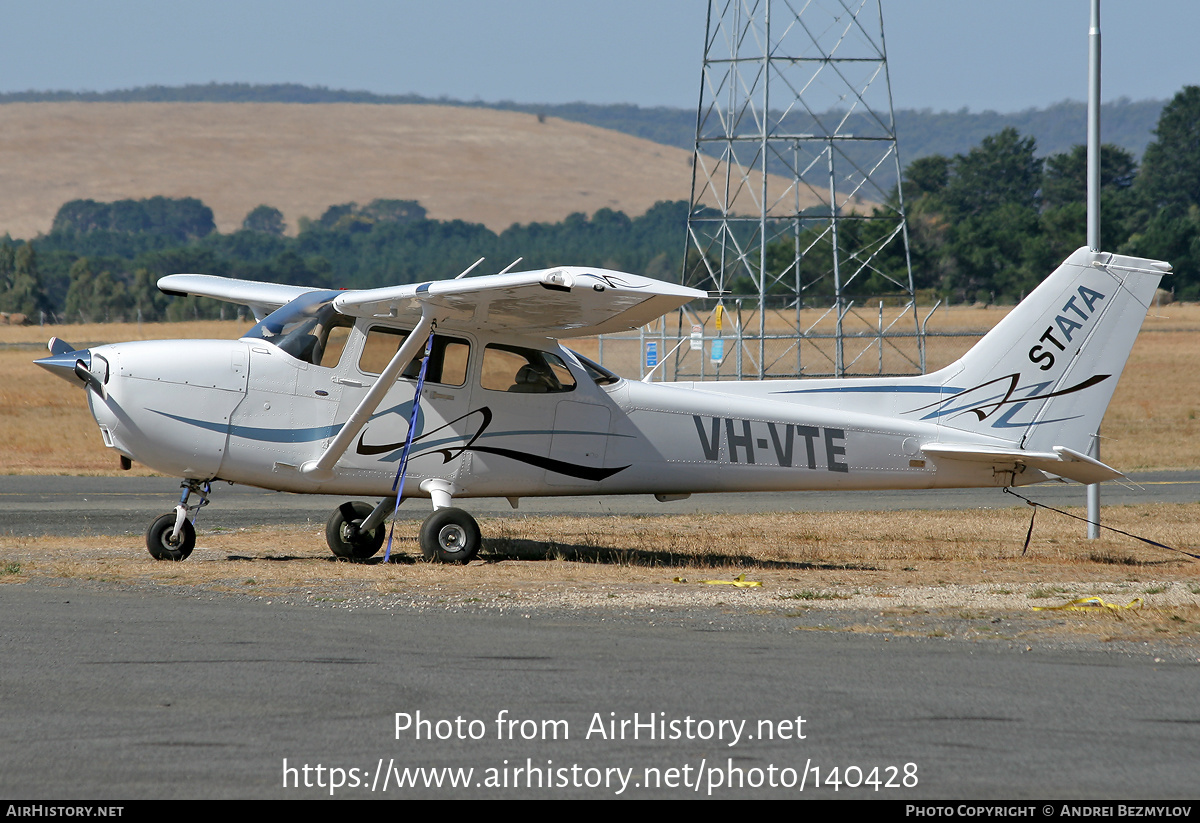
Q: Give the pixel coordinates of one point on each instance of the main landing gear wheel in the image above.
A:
(450, 536)
(343, 536)
(160, 544)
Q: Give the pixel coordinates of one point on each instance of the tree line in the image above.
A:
(100, 261)
(993, 222)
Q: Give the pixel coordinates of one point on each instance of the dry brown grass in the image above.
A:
(892, 548)
(473, 164)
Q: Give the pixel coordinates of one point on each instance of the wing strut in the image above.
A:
(321, 469)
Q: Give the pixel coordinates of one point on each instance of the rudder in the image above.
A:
(1043, 377)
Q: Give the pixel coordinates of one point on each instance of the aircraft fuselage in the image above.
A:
(248, 411)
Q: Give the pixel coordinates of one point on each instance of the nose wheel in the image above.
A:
(450, 536)
(163, 545)
(173, 536)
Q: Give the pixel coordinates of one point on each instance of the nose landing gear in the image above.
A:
(173, 536)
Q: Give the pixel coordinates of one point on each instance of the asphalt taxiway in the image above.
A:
(38, 505)
(112, 694)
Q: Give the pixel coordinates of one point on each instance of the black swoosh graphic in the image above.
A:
(364, 449)
(550, 464)
(448, 454)
(985, 410)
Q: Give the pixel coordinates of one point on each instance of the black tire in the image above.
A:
(343, 536)
(450, 536)
(158, 539)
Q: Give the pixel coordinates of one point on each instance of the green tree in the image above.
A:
(393, 211)
(25, 295)
(146, 302)
(1170, 173)
(81, 216)
(974, 222)
(926, 175)
(1065, 179)
(80, 303)
(1001, 170)
(1172, 234)
(182, 219)
(335, 213)
(1064, 198)
(998, 255)
(8, 266)
(265, 220)
(111, 298)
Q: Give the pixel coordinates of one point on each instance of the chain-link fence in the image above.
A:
(881, 341)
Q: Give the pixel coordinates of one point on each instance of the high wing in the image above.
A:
(568, 301)
(561, 302)
(262, 298)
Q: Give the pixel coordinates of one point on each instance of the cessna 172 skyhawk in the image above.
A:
(317, 398)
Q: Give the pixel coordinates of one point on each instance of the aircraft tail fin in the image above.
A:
(1043, 377)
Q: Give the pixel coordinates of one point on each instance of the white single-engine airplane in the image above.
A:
(317, 398)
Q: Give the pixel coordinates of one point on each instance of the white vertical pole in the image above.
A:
(1093, 214)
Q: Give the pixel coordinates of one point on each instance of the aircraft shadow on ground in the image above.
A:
(404, 552)
(1127, 560)
(499, 549)
(507, 549)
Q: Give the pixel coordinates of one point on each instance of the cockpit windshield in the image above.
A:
(302, 327)
(600, 375)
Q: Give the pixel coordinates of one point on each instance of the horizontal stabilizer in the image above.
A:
(1060, 461)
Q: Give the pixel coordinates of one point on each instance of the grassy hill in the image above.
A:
(474, 164)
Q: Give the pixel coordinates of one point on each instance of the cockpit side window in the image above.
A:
(524, 371)
(600, 375)
(319, 341)
(447, 360)
(328, 352)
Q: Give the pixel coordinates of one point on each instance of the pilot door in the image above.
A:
(535, 424)
(444, 423)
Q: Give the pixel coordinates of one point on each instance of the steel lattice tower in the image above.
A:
(794, 202)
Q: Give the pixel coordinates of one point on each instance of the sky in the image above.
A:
(943, 55)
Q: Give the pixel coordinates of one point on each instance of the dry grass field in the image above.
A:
(478, 165)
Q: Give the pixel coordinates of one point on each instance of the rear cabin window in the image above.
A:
(447, 360)
(524, 371)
